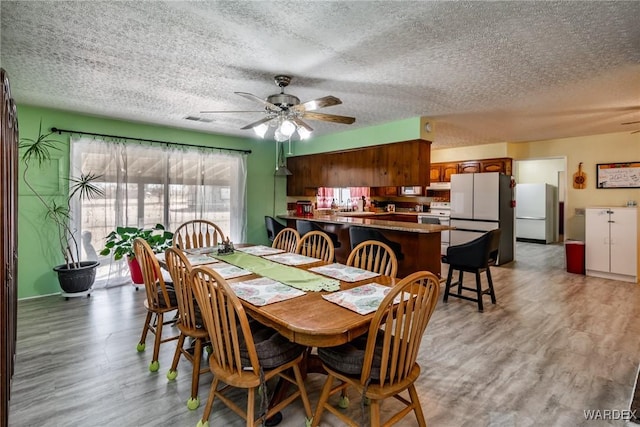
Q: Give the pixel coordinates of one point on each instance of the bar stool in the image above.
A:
(475, 257)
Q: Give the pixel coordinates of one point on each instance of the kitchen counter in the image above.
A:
(420, 242)
(368, 219)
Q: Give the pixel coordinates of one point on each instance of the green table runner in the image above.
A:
(292, 276)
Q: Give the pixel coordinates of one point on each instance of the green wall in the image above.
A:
(37, 253)
(402, 130)
(266, 194)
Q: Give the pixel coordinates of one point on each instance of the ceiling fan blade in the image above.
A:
(302, 124)
(258, 123)
(314, 104)
(630, 123)
(252, 97)
(329, 118)
(227, 111)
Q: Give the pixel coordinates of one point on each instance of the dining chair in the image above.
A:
(287, 240)
(273, 227)
(475, 256)
(374, 256)
(189, 322)
(197, 233)
(245, 354)
(382, 363)
(316, 244)
(161, 299)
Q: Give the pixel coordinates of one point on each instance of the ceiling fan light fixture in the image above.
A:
(303, 133)
(261, 130)
(287, 128)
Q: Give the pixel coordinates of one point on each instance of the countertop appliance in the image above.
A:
(536, 212)
(440, 211)
(481, 202)
(304, 208)
(411, 191)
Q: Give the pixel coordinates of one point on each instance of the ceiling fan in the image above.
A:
(284, 112)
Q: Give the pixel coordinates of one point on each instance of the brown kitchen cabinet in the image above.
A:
(384, 191)
(388, 165)
(441, 172)
(502, 165)
(469, 167)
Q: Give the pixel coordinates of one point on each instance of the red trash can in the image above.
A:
(575, 256)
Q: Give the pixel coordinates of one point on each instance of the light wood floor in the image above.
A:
(555, 344)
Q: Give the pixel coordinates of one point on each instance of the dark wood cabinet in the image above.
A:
(441, 172)
(384, 191)
(9, 252)
(502, 165)
(389, 165)
(469, 167)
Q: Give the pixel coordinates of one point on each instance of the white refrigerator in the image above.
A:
(536, 213)
(481, 202)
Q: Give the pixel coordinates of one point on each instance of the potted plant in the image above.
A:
(74, 276)
(120, 243)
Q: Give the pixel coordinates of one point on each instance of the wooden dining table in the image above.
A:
(309, 319)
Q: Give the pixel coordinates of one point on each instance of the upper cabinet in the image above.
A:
(441, 172)
(389, 165)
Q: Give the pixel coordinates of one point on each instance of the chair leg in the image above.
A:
(417, 409)
(209, 405)
(479, 290)
(158, 340)
(491, 291)
(374, 411)
(324, 396)
(145, 330)
(178, 352)
(251, 397)
(194, 402)
(447, 287)
(303, 391)
(460, 276)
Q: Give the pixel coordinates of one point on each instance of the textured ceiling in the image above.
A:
(484, 71)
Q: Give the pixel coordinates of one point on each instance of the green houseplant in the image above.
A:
(74, 276)
(120, 244)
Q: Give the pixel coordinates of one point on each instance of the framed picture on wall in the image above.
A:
(618, 175)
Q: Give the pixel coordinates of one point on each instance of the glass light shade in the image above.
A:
(261, 130)
(304, 133)
(279, 136)
(287, 128)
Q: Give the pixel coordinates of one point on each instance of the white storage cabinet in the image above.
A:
(611, 243)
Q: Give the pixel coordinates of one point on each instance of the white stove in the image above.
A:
(442, 212)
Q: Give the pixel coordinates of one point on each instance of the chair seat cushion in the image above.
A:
(173, 299)
(272, 348)
(348, 358)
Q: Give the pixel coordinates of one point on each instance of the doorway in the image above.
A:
(550, 171)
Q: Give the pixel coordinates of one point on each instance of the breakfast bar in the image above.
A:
(420, 242)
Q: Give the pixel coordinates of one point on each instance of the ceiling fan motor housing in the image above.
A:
(283, 100)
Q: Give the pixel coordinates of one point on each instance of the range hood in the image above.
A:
(439, 186)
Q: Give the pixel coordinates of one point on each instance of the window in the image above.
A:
(146, 185)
